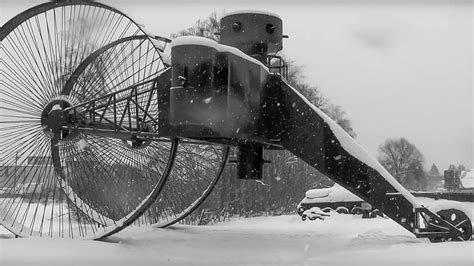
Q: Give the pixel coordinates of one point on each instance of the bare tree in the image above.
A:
(461, 168)
(208, 27)
(416, 177)
(433, 171)
(452, 167)
(336, 113)
(396, 155)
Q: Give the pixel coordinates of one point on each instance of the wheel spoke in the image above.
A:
(98, 181)
(458, 225)
(197, 169)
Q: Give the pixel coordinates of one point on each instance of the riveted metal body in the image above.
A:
(254, 33)
(215, 93)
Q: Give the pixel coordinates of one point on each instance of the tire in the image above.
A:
(327, 209)
(457, 218)
(342, 210)
(374, 213)
(357, 211)
(301, 210)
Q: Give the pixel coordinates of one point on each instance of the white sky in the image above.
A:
(398, 69)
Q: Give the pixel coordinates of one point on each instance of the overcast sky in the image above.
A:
(398, 69)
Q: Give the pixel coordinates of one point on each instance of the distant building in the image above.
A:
(39, 169)
(467, 178)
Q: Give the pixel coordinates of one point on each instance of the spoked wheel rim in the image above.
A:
(198, 165)
(460, 220)
(197, 169)
(45, 179)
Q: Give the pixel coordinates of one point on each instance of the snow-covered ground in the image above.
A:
(467, 178)
(281, 240)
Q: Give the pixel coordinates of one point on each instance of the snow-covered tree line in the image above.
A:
(406, 163)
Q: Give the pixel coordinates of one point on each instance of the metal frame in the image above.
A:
(282, 118)
(220, 96)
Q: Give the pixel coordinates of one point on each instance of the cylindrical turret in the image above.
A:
(254, 33)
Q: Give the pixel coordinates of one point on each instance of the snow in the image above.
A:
(317, 193)
(280, 240)
(338, 193)
(355, 149)
(81, 145)
(196, 40)
(467, 178)
(437, 205)
(91, 213)
(335, 193)
(260, 12)
(108, 225)
(38, 213)
(315, 213)
(14, 226)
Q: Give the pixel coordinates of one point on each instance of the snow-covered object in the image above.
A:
(335, 193)
(317, 193)
(158, 43)
(163, 46)
(356, 150)
(339, 193)
(251, 12)
(439, 205)
(314, 213)
(196, 40)
(346, 141)
(467, 178)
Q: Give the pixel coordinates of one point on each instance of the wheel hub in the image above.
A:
(460, 220)
(136, 143)
(53, 118)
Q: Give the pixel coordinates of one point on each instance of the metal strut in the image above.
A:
(264, 111)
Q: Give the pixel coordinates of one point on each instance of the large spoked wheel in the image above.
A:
(197, 168)
(80, 185)
(198, 165)
(457, 218)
